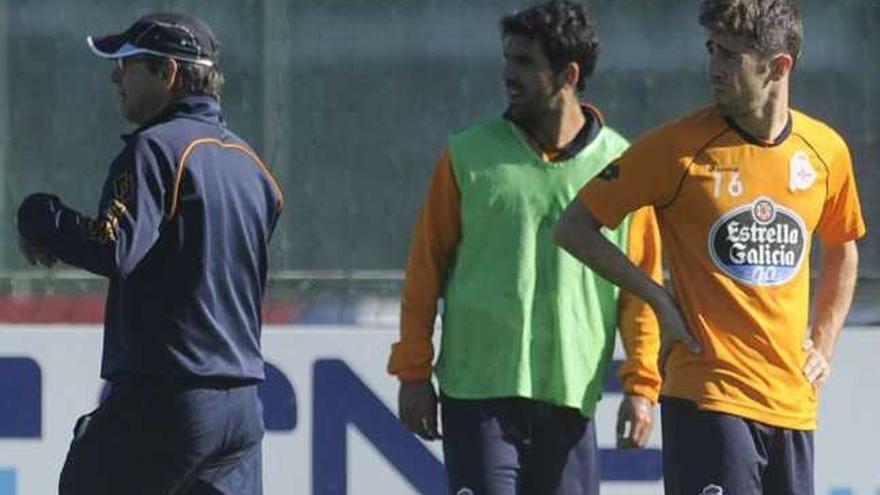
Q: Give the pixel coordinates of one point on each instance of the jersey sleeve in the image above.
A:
(646, 174)
(131, 211)
(639, 328)
(435, 239)
(841, 218)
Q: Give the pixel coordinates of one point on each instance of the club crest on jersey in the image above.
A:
(760, 243)
(122, 187)
(801, 175)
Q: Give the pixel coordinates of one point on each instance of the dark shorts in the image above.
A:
(518, 447)
(737, 455)
(161, 439)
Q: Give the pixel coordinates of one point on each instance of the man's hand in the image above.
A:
(672, 329)
(417, 406)
(817, 369)
(37, 215)
(635, 421)
(34, 255)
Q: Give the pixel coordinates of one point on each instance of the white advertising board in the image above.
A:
(330, 406)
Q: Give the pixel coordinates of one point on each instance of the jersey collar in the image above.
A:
(786, 131)
(593, 124)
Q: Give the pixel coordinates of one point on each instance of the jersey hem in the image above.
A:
(761, 415)
(588, 410)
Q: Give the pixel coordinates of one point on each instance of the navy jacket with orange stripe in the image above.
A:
(186, 215)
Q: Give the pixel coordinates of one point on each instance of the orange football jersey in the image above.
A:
(736, 217)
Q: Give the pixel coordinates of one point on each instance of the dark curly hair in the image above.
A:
(770, 26)
(565, 31)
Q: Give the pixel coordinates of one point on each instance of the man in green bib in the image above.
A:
(527, 330)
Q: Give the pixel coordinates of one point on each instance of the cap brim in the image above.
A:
(111, 46)
(116, 46)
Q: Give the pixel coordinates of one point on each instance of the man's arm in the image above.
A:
(49, 230)
(834, 294)
(640, 335)
(131, 212)
(578, 233)
(435, 240)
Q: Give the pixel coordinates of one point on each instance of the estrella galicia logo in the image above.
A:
(761, 243)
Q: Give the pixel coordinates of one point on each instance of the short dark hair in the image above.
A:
(565, 31)
(192, 78)
(770, 26)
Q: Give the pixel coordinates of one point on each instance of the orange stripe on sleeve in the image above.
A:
(639, 328)
(175, 193)
(435, 239)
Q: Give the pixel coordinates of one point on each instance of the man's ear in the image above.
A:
(568, 77)
(171, 72)
(780, 66)
(572, 74)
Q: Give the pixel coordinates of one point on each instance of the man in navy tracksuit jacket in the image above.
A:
(184, 221)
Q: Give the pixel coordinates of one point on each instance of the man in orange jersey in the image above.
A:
(527, 331)
(739, 187)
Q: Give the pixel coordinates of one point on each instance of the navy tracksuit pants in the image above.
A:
(711, 453)
(516, 446)
(167, 438)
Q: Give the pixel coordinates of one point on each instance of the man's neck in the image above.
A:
(767, 122)
(555, 128)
